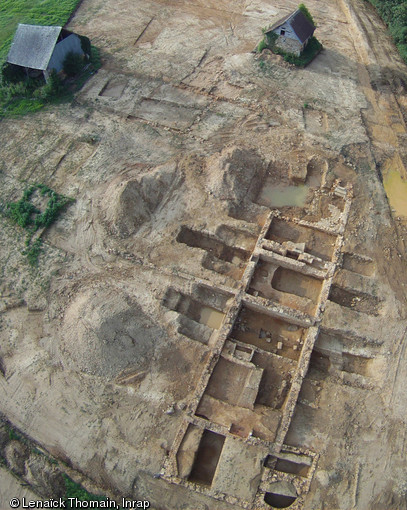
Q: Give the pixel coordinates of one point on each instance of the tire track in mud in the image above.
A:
(384, 106)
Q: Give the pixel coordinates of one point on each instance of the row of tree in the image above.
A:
(394, 14)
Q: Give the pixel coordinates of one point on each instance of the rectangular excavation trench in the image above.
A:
(358, 264)
(200, 312)
(317, 243)
(358, 301)
(235, 398)
(220, 257)
(252, 389)
(268, 333)
(276, 380)
(332, 353)
(207, 458)
(289, 463)
(286, 286)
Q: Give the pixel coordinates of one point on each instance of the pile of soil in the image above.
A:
(105, 332)
(235, 174)
(129, 203)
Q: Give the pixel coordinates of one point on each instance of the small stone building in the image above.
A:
(293, 32)
(41, 49)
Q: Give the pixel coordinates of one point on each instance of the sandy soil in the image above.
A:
(182, 126)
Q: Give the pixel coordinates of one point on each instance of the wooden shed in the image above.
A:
(41, 49)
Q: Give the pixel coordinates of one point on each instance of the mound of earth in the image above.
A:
(104, 333)
(129, 203)
(235, 174)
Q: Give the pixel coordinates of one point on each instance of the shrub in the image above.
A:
(33, 252)
(306, 13)
(261, 46)
(73, 63)
(85, 45)
(310, 52)
(95, 58)
(12, 74)
(26, 215)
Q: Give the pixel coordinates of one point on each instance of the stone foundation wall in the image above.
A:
(289, 45)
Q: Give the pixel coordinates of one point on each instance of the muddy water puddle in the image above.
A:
(281, 196)
(211, 317)
(396, 190)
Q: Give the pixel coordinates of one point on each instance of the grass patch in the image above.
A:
(75, 490)
(12, 434)
(35, 12)
(31, 218)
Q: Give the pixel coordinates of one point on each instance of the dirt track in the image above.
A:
(102, 348)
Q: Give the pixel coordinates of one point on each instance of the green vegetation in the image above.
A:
(36, 12)
(33, 252)
(72, 489)
(262, 45)
(311, 51)
(73, 64)
(75, 490)
(30, 217)
(394, 14)
(86, 45)
(30, 95)
(20, 95)
(12, 434)
(306, 13)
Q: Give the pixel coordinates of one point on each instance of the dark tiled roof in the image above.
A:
(300, 24)
(33, 46)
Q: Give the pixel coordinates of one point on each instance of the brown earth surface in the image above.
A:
(171, 152)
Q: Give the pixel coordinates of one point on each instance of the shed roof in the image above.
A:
(301, 25)
(33, 45)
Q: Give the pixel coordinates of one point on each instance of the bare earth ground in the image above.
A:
(93, 364)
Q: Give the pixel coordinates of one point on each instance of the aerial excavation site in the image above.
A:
(217, 317)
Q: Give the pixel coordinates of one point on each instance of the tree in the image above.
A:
(73, 63)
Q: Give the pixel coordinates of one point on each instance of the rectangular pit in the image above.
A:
(317, 243)
(358, 301)
(290, 463)
(207, 458)
(166, 114)
(358, 264)
(268, 333)
(207, 309)
(234, 383)
(286, 287)
(355, 364)
(198, 317)
(220, 257)
(276, 380)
